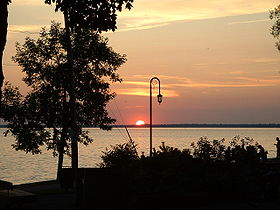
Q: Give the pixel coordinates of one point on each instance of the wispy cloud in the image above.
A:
(236, 82)
(136, 83)
(263, 60)
(140, 23)
(249, 21)
(173, 85)
(144, 92)
(151, 13)
(28, 29)
(256, 60)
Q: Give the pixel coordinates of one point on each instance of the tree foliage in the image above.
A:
(42, 116)
(99, 15)
(275, 29)
(207, 150)
(120, 155)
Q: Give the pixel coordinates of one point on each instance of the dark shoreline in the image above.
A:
(203, 126)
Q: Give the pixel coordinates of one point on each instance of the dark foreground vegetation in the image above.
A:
(209, 173)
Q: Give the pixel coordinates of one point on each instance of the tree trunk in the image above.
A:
(60, 148)
(3, 38)
(60, 161)
(62, 143)
(72, 101)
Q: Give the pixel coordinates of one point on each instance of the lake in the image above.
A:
(19, 167)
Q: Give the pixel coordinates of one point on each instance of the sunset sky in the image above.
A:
(216, 59)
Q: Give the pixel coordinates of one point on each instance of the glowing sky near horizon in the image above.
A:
(216, 59)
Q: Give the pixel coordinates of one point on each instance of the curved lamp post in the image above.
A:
(159, 97)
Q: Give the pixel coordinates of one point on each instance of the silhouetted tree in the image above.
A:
(97, 15)
(47, 105)
(275, 29)
(3, 38)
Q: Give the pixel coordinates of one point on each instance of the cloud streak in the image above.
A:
(144, 92)
(249, 21)
(172, 84)
(27, 29)
(151, 13)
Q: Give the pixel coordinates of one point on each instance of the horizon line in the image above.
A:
(206, 125)
(192, 125)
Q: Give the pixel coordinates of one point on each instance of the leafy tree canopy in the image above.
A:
(46, 106)
(99, 15)
(275, 30)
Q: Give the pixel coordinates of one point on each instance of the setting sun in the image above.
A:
(140, 122)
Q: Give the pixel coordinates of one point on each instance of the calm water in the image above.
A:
(19, 167)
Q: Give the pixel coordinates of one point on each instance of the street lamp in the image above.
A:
(159, 97)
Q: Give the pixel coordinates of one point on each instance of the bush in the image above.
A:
(120, 156)
(210, 168)
(207, 150)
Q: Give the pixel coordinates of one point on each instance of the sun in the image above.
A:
(140, 122)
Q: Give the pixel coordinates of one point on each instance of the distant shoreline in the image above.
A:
(205, 125)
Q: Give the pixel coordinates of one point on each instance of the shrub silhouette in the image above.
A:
(211, 167)
(119, 156)
(207, 150)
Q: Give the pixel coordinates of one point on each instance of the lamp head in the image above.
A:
(159, 97)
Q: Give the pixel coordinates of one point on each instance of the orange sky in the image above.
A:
(216, 59)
